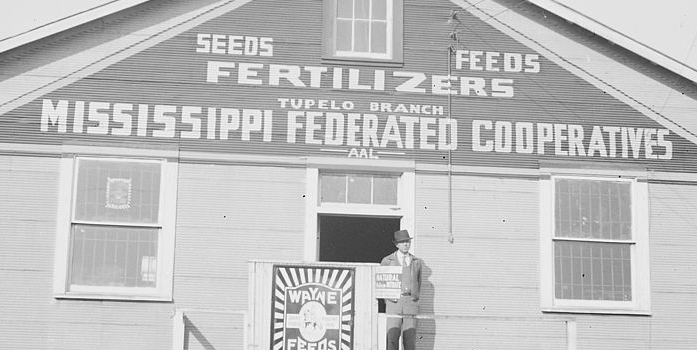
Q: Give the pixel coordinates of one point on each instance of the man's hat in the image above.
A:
(401, 236)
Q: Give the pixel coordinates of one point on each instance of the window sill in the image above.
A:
(113, 297)
(359, 61)
(596, 310)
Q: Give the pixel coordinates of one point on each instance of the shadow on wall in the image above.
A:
(426, 327)
(191, 330)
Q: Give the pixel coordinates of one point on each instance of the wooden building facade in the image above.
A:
(549, 177)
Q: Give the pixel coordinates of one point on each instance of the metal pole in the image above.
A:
(451, 238)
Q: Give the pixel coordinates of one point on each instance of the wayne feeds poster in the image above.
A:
(312, 308)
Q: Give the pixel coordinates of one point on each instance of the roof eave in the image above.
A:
(65, 23)
(618, 38)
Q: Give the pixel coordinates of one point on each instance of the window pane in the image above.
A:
(593, 209)
(362, 9)
(344, 8)
(558, 270)
(361, 38)
(378, 42)
(379, 9)
(333, 188)
(592, 271)
(384, 190)
(625, 206)
(114, 256)
(343, 35)
(117, 191)
(359, 189)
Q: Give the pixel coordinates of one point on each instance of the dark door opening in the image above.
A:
(356, 239)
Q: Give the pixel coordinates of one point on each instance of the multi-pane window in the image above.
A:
(358, 189)
(598, 249)
(363, 29)
(118, 230)
(592, 239)
(116, 223)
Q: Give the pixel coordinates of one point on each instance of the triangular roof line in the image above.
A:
(637, 46)
(657, 101)
(21, 89)
(665, 105)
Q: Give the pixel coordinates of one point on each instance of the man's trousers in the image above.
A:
(404, 326)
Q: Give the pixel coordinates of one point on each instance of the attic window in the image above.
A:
(363, 30)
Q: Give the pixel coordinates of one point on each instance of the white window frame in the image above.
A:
(64, 220)
(393, 41)
(404, 209)
(640, 272)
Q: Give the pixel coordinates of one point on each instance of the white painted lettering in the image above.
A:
(354, 84)
(293, 125)
(612, 137)
(650, 143)
(503, 136)
(96, 114)
(289, 73)
(468, 84)
(447, 126)
(559, 139)
(78, 117)
(121, 117)
(411, 84)
(524, 138)
(575, 134)
(229, 121)
(391, 133)
(311, 127)
(247, 71)
(334, 131)
(426, 132)
(213, 72)
(477, 145)
(597, 143)
(440, 84)
(57, 114)
(662, 142)
(370, 130)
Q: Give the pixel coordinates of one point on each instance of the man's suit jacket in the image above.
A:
(415, 267)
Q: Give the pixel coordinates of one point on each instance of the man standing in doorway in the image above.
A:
(407, 306)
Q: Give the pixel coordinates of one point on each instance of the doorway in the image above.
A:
(356, 238)
(361, 239)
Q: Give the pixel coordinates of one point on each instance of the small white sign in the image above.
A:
(386, 282)
(118, 193)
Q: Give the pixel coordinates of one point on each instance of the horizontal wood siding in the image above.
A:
(492, 334)
(490, 271)
(31, 318)
(673, 238)
(482, 290)
(491, 268)
(213, 330)
(226, 216)
(619, 332)
(481, 279)
(27, 207)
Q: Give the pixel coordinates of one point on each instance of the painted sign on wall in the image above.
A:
(269, 91)
(312, 308)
